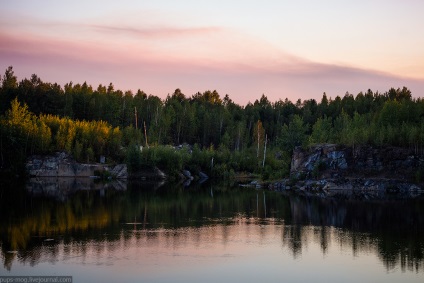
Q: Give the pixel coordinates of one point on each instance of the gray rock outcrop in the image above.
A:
(329, 160)
(120, 171)
(329, 170)
(62, 164)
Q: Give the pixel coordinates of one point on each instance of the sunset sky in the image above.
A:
(293, 49)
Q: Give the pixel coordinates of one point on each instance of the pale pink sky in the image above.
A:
(241, 48)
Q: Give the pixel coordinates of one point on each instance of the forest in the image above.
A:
(217, 135)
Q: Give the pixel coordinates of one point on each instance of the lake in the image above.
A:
(150, 232)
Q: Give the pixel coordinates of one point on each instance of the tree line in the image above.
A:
(41, 117)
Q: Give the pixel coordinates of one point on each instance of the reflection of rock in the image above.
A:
(62, 164)
(152, 173)
(187, 174)
(351, 188)
(203, 176)
(61, 188)
(187, 183)
(146, 185)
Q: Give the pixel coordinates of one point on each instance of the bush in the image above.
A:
(167, 159)
(133, 159)
(419, 175)
(200, 160)
(318, 169)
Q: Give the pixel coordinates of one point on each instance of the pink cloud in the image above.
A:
(275, 74)
(155, 32)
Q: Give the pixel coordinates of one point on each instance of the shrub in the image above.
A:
(419, 175)
(133, 159)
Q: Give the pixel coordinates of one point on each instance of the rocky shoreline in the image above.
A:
(324, 170)
(328, 170)
(350, 188)
(62, 164)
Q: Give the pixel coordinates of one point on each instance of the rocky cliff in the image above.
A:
(62, 164)
(329, 170)
(329, 160)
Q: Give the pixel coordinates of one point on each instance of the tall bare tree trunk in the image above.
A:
(257, 152)
(145, 134)
(263, 162)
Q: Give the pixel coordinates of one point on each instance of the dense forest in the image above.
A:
(39, 117)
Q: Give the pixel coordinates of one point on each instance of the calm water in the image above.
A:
(210, 233)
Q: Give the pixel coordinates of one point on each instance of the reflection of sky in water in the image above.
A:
(148, 234)
(246, 250)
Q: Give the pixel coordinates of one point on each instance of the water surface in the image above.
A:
(141, 232)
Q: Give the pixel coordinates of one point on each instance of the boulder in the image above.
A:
(119, 171)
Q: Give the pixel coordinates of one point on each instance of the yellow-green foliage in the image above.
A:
(86, 140)
(24, 130)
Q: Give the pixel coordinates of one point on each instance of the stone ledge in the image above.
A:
(62, 164)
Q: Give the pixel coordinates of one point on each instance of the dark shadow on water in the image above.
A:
(62, 188)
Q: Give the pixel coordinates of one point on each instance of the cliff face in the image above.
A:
(360, 173)
(329, 161)
(63, 165)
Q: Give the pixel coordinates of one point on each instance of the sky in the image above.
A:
(282, 49)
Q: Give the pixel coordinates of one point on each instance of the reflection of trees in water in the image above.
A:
(391, 229)
(293, 239)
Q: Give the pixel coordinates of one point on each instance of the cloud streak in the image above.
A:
(156, 31)
(273, 73)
